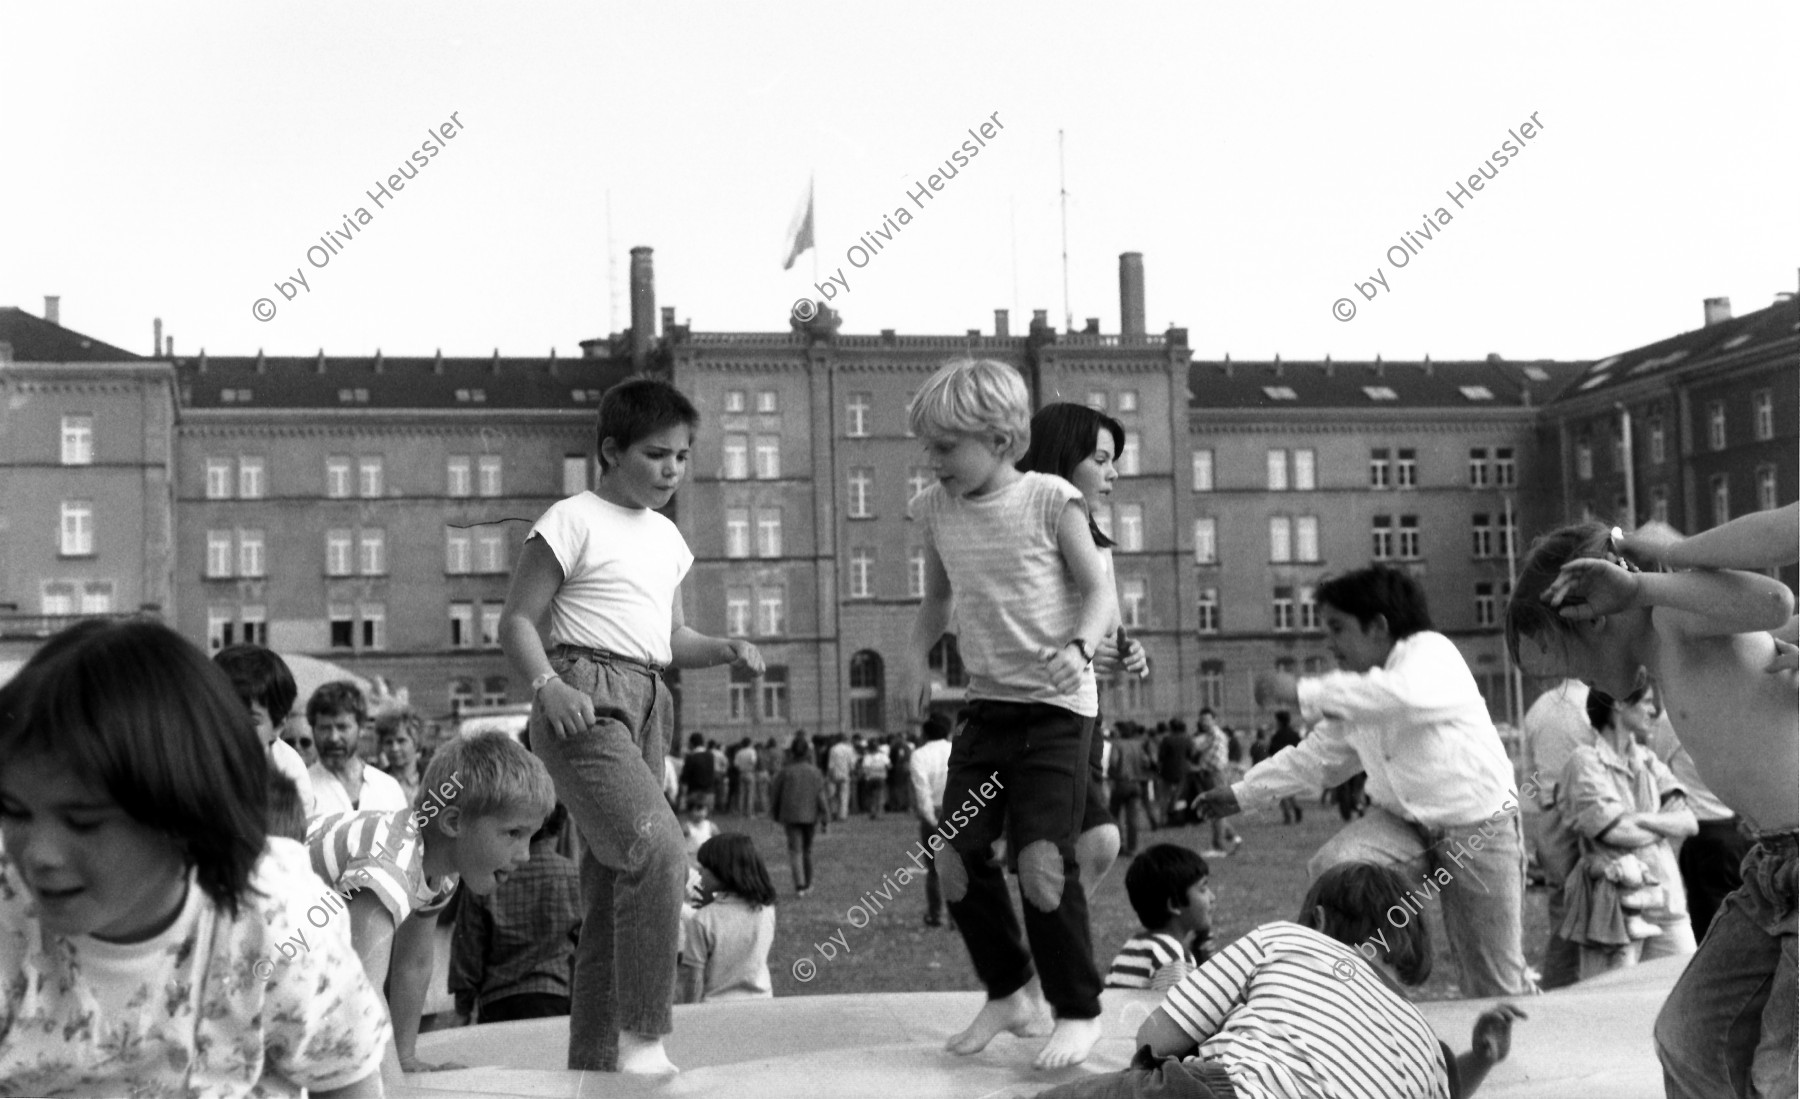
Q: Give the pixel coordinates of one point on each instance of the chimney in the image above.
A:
(643, 307)
(156, 339)
(1093, 327)
(1718, 310)
(1040, 318)
(52, 308)
(668, 318)
(1131, 294)
(1002, 324)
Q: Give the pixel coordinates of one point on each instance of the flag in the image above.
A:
(800, 233)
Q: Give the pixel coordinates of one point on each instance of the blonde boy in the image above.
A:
(1032, 604)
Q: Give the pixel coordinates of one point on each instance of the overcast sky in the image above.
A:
(176, 160)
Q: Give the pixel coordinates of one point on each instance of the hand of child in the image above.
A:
(1786, 658)
(567, 711)
(413, 1064)
(1492, 1038)
(1215, 803)
(744, 656)
(1276, 689)
(1064, 666)
(1137, 661)
(1590, 587)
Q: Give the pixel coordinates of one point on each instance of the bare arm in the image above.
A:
(1711, 603)
(1759, 540)
(372, 933)
(928, 625)
(690, 648)
(408, 982)
(369, 1087)
(535, 581)
(1099, 601)
(1164, 1038)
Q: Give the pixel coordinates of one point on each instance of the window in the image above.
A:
(769, 612)
(457, 470)
(866, 682)
(737, 458)
(1409, 537)
(1659, 504)
(368, 477)
(489, 475)
(456, 552)
(462, 695)
(337, 477)
(1096, 398)
(1203, 471)
(1278, 478)
(946, 661)
(1484, 604)
(372, 558)
(737, 612)
(916, 482)
(343, 625)
(1283, 606)
(1280, 393)
(1721, 499)
(1382, 529)
(1715, 425)
(915, 573)
(77, 528)
(1128, 457)
(1212, 684)
(490, 552)
(1765, 488)
(1482, 536)
(862, 487)
(1762, 407)
(575, 474)
(768, 457)
(1477, 392)
(493, 691)
(1308, 600)
(256, 625)
(737, 532)
(462, 625)
(1281, 539)
(768, 532)
(1127, 400)
(1132, 594)
(1103, 518)
(218, 478)
(1306, 538)
(58, 598)
(1584, 460)
(1134, 693)
(1478, 467)
(774, 694)
(1406, 468)
(1304, 470)
(374, 625)
(862, 561)
(1206, 541)
(1380, 393)
(96, 596)
(856, 415)
(490, 625)
(741, 696)
(1131, 528)
(1313, 665)
(1209, 610)
(1506, 473)
(1286, 666)
(1378, 467)
(766, 402)
(337, 553)
(1658, 443)
(734, 400)
(220, 630)
(250, 553)
(77, 440)
(251, 484)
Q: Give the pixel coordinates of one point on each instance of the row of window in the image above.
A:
(1762, 409)
(242, 553)
(1296, 470)
(1296, 608)
(858, 408)
(68, 597)
(1296, 538)
(464, 475)
(1718, 491)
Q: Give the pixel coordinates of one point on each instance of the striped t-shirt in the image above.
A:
(1142, 955)
(1289, 1011)
(1012, 594)
(381, 852)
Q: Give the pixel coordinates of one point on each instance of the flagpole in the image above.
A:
(811, 205)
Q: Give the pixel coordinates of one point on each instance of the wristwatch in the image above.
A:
(1081, 647)
(541, 682)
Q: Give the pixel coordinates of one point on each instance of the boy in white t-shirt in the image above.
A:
(266, 686)
(605, 569)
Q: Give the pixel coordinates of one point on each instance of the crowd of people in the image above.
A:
(165, 851)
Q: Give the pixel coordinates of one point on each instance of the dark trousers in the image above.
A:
(1709, 862)
(934, 892)
(799, 842)
(1033, 758)
(526, 1005)
(1128, 810)
(1152, 1077)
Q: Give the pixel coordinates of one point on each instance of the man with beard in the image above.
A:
(342, 782)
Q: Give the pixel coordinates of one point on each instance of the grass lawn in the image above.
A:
(894, 952)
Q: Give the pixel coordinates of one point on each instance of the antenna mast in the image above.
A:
(612, 271)
(1063, 183)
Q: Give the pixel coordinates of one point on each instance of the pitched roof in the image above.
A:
(275, 382)
(36, 340)
(1764, 328)
(1274, 385)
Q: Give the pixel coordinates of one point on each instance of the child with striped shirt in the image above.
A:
(1168, 891)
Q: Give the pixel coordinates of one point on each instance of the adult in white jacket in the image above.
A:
(1404, 708)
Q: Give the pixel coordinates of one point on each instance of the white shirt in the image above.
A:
(930, 770)
(1555, 726)
(1417, 725)
(621, 569)
(283, 758)
(379, 792)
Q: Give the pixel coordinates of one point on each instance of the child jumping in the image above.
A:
(605, 569)
(725, 944)
(152, 940)
(1168, 891)
(1032, 605)
(1580, 611)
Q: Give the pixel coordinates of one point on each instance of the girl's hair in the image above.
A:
(1527, 615)
(259, 675)
(1063, 435)
(637, 407)
(287, 816)
(974, 397)
(137, 711)
(732, 858)
(1602, 708)
(405, 723)
(1358, 899)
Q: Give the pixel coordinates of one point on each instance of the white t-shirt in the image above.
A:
(621, 568)
(379, 793)
(283, 758)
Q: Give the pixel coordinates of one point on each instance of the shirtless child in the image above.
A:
(1581, 610)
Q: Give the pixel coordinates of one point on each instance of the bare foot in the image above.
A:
(1021, 1013)
(643, 1056)
(1069, 1044)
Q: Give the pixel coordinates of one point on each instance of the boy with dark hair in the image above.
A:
(266, 686)
(341, 781)
(1404, 707)
(1168, 891)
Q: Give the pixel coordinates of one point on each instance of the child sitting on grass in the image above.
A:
(1168, 891)
(1314, 1007)
(480, 801)
(725, 944)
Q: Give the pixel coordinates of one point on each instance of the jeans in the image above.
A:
(633, 858)
(1709, 862)
(1727, 1028)
(1558, 851)
(934, 892)
(1482, 901)
(799, 845)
